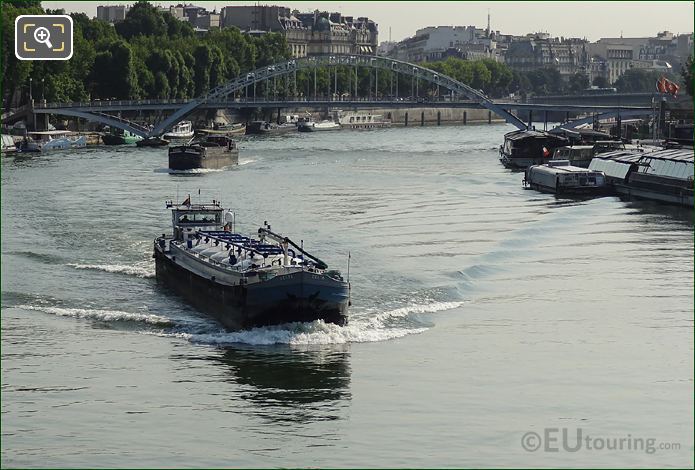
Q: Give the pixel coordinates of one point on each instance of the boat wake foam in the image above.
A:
(194, 171)
(362, 329)
(102, 315)
(139, 271)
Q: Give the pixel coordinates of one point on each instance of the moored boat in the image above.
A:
(182, 130)
(524, 148)
(212, 152)
(311, 126)
(665, 174)
(224, 129)
(243, 281)
(51, 140)
(152, 142)
(360, 120)
(560, 177)
(8, 145)
(120, 137)
(265, 127)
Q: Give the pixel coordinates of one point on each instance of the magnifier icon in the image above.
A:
(43, 36)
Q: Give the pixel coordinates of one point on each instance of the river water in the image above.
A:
(481, 312)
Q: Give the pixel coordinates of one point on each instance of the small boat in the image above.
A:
(265, 127)
(50, 140)
(524, 148)
(152, 142)
(8, 145)
(182, 130)
(560, 177)
(213, 152)
(360, 120)
(224, 129)
(243, 281)
(120, 137)
(311, 126)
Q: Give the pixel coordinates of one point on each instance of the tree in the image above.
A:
(637, 81)
(687, 75)
(600, 81)
(201, 71)
(577, 83)
(114, 74)
(144, 19)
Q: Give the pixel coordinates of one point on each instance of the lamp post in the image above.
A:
(43, 89)
(31, 99)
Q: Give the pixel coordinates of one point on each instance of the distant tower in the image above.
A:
(487, 31)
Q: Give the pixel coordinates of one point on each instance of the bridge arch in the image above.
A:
(331, 60)
(102, 118)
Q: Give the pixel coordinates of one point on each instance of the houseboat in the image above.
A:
(524, 148)
(360, 120)
(51, 140)
(560, 177)
(664, 174)
(245, 281)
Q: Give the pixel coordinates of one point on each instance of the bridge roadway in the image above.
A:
(168, 105)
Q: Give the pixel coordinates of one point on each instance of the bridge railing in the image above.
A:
(252, 100)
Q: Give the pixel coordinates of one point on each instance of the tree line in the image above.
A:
(149, 55)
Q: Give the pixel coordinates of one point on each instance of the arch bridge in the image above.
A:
(219, 96)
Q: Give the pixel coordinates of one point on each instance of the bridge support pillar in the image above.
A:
(406, 119)
(619, 127)
(278, 118)
(439, 118)
(489, 117)
(545, 120)
(422, 119)
(465, 115)
(530, 119)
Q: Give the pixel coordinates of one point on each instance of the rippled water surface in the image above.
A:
(480, 312)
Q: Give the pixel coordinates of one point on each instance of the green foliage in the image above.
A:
(150, 54)
(577, 83)
(601, 82)
(638, 80)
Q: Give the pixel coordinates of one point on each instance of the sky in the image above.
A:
(591, 20)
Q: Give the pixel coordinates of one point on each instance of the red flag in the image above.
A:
(546, 152)
(672, 87)
(664, 85)
(661, 85)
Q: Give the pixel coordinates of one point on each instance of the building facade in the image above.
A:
(307, 33)
(112, 13)
(438, 42)
(536, 51)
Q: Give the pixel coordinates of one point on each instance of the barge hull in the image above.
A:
(278, 301)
